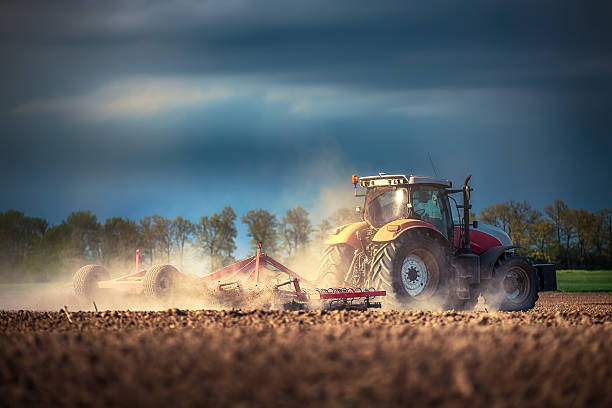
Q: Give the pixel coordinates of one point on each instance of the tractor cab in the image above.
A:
(393, 197)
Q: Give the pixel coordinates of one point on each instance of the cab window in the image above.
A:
(430, 205)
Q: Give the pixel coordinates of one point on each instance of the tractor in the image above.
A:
(410, 245)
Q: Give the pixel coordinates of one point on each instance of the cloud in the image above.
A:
(129, 99)
(134, 98)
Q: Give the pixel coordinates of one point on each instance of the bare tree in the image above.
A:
(296, 229)
(320, 234)
(182, 232)
(147, 237)
(556, 213)
(497, 215)
(522, 217)
(542, 234)
(217, 235)
(119, 239)
(323, 230)
(18, 235)
(162, 232)
(514, 217)
(262, 228)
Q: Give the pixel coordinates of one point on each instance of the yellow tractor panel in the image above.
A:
(345, 234)
(394, 229)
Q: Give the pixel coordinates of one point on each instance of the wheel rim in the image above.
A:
(516, 285)
(415, 276)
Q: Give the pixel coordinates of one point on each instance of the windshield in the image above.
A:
(386, 205)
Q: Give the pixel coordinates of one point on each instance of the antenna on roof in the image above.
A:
(432, 164)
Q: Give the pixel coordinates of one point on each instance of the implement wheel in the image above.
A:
(85, 281)
(414, 270)
(161, 281)
(334, 265)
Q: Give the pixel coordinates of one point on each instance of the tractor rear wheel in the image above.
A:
(414, 270)
(514, 286)
(335, 263)
(161, 281)
(85, 281)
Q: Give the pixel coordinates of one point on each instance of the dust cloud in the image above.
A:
(58, 294)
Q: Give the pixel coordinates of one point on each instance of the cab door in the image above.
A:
(430, 204)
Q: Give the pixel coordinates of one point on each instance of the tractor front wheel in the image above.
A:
(414, 270)
(335, 263)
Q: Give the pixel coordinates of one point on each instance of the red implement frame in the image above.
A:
(352, 294)
(251, 268)
(246, 273)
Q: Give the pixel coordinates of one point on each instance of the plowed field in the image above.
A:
(558, 355)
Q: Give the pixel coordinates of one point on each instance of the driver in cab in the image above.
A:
(426, 207)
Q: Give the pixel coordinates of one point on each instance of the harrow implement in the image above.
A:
(235, 285)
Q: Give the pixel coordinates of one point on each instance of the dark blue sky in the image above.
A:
(181, 108)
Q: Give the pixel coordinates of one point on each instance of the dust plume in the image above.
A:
(58, 292)
(304, 261)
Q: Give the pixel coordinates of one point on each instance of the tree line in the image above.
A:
(570, 238)
(31, 249)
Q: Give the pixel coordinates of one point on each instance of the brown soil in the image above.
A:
(558, 355)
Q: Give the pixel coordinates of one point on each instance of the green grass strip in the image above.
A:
(584, 281)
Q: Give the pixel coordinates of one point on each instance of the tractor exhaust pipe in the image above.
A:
(466, 215)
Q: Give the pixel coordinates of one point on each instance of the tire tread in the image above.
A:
(85, 277)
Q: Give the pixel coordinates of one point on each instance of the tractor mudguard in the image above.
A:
(394, 229)
(346, 234)
(490, 257)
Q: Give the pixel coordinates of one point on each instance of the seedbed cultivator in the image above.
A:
(252, 282)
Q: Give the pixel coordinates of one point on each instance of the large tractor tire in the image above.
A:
(335, 263)
(161, 281)
(514, 285)
(85, 281)
(414, 271)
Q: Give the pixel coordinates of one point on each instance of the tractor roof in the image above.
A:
(398, 179)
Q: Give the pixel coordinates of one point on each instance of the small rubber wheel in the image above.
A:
(161, 281)
(85, 281)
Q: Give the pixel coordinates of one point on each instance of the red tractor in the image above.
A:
(409, 245)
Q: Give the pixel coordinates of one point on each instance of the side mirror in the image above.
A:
(475, 224)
